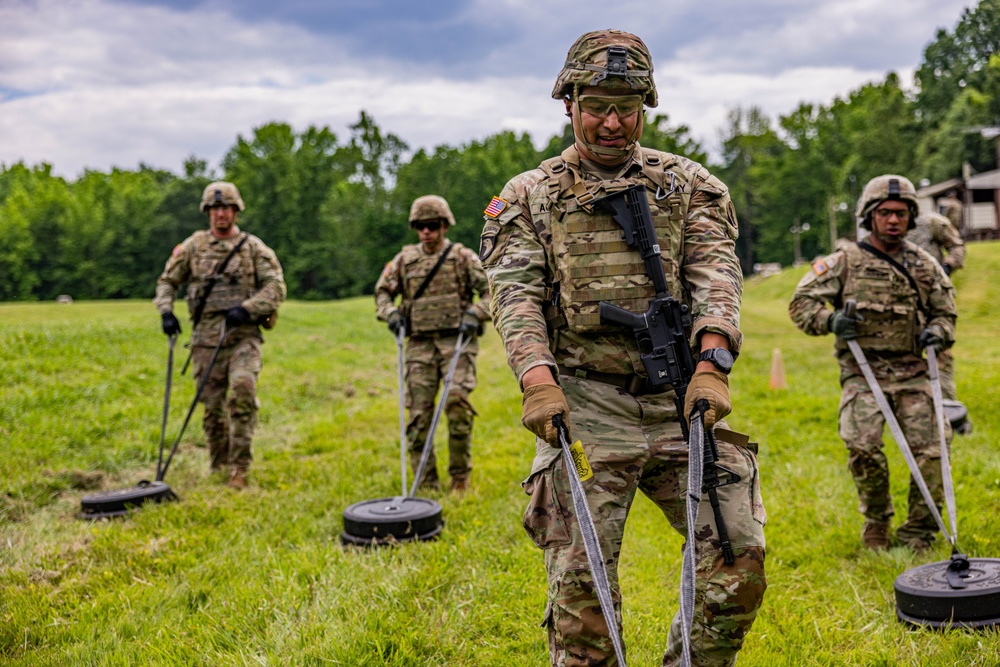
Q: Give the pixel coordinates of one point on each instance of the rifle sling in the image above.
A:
(210, 285)
(433, 272)
(902, 269)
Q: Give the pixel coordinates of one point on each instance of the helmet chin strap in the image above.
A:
(603, 151)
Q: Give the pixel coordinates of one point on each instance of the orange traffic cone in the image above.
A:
(777, 371)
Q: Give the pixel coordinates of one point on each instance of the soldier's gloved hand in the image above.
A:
(713, 386)
(932, 336)
(471, 325)
(844, 325)
(171, 326)
(947, 269)
(395, 321)
(540, 404)
(237, 317)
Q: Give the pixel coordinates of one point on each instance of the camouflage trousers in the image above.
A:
(230, 398)
(427, 360)
(946, 371)
(635, 444)
(908, 391)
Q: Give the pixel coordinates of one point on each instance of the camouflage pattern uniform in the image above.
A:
(551, 259)
(432, 327)
(951, 207)
(893, 317)
(937, 235)
(252, 279)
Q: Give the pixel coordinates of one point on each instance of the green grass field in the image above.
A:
(259, 577)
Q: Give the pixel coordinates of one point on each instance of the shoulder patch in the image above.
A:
(387, 271)
(496, 207)
(820, 267)
(177, 250)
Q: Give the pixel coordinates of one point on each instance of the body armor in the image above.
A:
(886, 300)
(444, 300)
(593, 262)
(232, 287)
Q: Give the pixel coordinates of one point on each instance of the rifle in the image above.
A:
(661, 334)
(199, 307)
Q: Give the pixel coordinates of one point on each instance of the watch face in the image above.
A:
(722, 358)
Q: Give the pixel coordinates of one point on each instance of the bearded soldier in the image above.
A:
(904, 304)
(438, 282)
(232, 277)
(551, 258)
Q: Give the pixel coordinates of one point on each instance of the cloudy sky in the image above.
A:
(112, 83)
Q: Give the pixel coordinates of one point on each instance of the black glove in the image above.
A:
(395, 322)
(471, 325)
(237, 317)
(844, 325)
(171, 326)
(931, 337)
(947, 269)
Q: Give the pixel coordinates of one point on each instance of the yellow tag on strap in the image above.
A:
(580, 462)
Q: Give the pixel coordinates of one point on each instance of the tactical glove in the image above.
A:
(931, 337)
(171, 326)
(713, 386)
(540, 404)
(471, 325)
(948, 269)
(395, 321)
(844, 325)
(237, 317)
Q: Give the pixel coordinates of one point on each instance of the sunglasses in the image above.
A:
(431, 225)
(886, 213)
(600, 106)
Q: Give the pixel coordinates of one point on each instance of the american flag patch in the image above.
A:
(177, 250)
(820, 267)
(496, 207)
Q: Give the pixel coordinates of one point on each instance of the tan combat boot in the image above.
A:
(875, 536)
(238, 479)
(459, 484)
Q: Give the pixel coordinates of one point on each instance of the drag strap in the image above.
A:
(590, 541)
(949, 489)
(897, 433)
(171, 340)
(418, 476)
(696, 473)
(400, 335)
(433, 272)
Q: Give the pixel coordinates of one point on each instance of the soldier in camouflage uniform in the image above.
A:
(951, 207)
(433, 317)
(904, 302)
(935, 234)
(246, 295)
(551, 258)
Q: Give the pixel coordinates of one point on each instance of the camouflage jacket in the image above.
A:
(252, 279)
(894, 313)
(451, 292)
(545, 250)
(935, 234)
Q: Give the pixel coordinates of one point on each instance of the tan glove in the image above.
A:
(540, 404)
(713, 386)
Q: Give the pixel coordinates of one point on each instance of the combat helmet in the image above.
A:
(881, 188)
(610, 58)
(431, 207)
(221, 192)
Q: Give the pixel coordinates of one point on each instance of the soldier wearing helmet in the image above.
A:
(905, 303)
(232, 277)
(437, 282)
(552, 258)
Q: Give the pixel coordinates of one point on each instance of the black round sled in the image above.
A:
(960, 593)
(391, 520)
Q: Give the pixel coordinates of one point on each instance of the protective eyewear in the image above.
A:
(886, 213)
(421, 225)
(600, 106)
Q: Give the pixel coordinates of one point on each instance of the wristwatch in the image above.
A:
(720, 356)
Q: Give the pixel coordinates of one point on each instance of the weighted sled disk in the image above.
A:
(388, 520)
(959, 593)
(109, 504)
(956, 413)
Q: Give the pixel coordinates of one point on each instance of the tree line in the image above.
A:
(335, 210)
